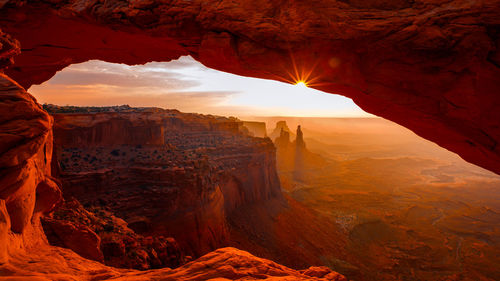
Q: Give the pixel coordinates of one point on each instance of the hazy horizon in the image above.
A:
(188, 86)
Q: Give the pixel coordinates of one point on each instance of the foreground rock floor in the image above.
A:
(53, 263)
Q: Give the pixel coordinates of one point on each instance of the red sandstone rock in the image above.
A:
(9, 47)
(4, 232)
(48, 195)
(77, 237)
(323, 272)
(224, 264)
(168, 173)
(432, 66)
(27, 191)
(234, 264)
(26, 188)
(98, 235)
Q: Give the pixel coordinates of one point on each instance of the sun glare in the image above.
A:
(301, 84)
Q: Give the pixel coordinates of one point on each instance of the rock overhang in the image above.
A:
(431, 66)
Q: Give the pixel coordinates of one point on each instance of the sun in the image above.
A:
(301, 84)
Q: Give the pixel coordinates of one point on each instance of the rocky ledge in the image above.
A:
(165, 173)
(28, 191)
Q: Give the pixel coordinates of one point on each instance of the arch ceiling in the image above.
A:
(432, 66)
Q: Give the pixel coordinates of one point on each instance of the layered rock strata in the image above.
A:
(28, 191)
(256, 129)
(98, 235)
(165, 172)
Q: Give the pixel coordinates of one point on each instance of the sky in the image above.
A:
(188, 86)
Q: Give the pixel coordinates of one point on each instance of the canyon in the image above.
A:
(162, 171)
(431, 66)
(407, 209)
(30, 191)
(203, 182)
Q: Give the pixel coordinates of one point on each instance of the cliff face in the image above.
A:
(277, 131)
(164, 172)
(431, 66)
(293, 156)
(257, 129)
(95, 233)
(27, 189)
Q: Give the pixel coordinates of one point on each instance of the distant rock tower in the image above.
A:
(300, 147)
(283, 141)
(280, 125)
(300, 138)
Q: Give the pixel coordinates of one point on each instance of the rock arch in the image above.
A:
(431, 66)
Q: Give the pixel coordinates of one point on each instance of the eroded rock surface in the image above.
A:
(98, 235)
(432, 66)
(224, 264)
(164, 172)
(28, 191)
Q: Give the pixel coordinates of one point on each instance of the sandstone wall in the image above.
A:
(165, 173)
(257, 129)
(27, 189)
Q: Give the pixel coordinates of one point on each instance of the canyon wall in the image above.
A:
(257, 129)
(27, 189)
(165, 172)
(432, 66)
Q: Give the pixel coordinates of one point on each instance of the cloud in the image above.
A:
(105, 95)
(99, 83)
(182, 62)
(152, 76)
(186, 85)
